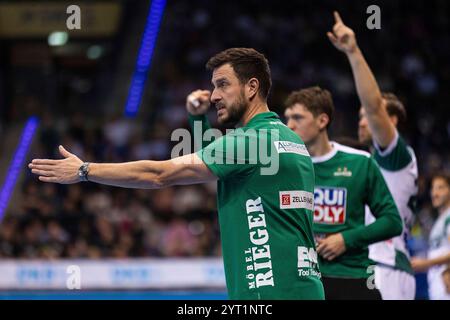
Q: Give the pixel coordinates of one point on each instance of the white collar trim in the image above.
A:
(328, 155)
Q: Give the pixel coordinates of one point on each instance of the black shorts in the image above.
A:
(349, 289)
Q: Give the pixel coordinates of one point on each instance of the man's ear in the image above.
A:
(323, 120)
(252, 88)
(394, 120)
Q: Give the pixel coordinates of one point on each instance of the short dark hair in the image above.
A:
(247, 63)
(395, 107)
(444, 176)
(315, 99)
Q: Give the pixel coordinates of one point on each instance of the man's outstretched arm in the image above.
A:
(145, 174)
(343, 38)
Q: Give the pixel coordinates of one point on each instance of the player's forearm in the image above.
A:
(137, 174)
(202, 118)
(445, 259)
(385, 227)
(205, 125)
(366, 85)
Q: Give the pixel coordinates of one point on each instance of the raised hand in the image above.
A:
(64, 171)
(342, 37)
(198, 102)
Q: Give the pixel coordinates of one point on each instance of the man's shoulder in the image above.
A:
(275, 130)
(396, 156)
(351, 153)
(447, 217)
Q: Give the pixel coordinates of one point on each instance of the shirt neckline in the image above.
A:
(327, 156)
(262, 116)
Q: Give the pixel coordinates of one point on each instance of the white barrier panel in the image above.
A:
(112, 274)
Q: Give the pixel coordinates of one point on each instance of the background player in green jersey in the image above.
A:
(379, 116)
(346, 181)
(265, 216)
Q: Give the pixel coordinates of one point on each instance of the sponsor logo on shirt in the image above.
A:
(342, 172)
(291, 147)
(330, 205)
(296, 199)
(307, 262)
(277, 123)
(257, 257)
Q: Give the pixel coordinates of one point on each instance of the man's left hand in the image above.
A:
(331, 247)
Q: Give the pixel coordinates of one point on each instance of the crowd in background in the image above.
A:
(89, 220)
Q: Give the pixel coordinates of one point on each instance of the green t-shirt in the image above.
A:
(265, 211)
(346, 181)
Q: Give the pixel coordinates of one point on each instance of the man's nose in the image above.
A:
(215, 97)
(362, 123)
(291, 124)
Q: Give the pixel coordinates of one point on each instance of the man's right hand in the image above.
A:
(64, 171)
(200, 107)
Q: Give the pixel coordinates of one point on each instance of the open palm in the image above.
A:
(64, 171)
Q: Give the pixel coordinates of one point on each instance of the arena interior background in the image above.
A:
(115, 90)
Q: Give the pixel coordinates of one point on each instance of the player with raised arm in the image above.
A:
(267, 244)
(379, 116)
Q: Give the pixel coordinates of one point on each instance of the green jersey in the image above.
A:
(346, 181)
(265, 215)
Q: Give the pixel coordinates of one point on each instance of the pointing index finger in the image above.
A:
(337, 17)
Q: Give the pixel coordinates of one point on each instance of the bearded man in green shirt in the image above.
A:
(265, 207)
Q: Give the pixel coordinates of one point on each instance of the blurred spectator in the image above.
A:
(439, 249)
